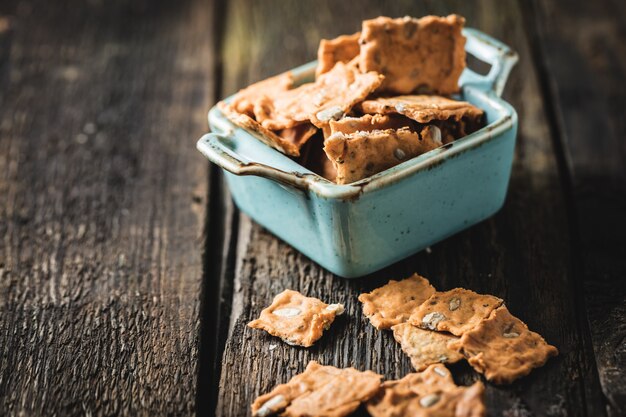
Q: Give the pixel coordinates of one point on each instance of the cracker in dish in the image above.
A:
(323, 391)
(423, 108)
(431, 393)
(362, 154)
(245, 99)
(414, 55)
(333, 94)
(343, 48)
(503, 348)
(297, 319)
(425, 347)
(288, 141)
(367, 123)
(393, 303)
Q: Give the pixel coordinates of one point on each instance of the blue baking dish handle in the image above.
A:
(487, 49)
(216, 148)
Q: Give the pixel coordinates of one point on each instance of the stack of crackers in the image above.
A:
(432, 327)
(381, 96)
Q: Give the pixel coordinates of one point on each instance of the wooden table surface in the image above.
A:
(127, 276)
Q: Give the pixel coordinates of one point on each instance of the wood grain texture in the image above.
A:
(522, 254)
(102, 206)
(583, 53)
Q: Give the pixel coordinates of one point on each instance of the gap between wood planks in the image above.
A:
(220, 234)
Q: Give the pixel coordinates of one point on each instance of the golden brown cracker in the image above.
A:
(297, 319)
(503, 348)
(456, 311)
(362, 154)
(394, 302)
(343, 48)
(431, 393)
(367, 123)
(333, 94)
(423, 108)
(245, 99)
(288, 141)
(425, 347)
(414, 54)
(323, 391)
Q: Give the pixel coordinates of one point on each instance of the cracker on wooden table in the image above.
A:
(245, 99)
(297, 319)
(363, 154)
(422, 108)
(333, 94)
(425, 347)
(503, 348)
(426, 54)
(394, 302)
(319, 391)
(288, 141)
(431, 393)
(456, 311)
(343, 48)
(368, 122)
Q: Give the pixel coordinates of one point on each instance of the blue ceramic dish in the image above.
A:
(358, 228)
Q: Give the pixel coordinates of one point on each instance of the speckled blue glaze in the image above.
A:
(355, 229)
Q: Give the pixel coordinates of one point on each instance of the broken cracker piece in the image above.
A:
(394, 302)
(367, 123)
(323, 391)
(456, 311)
(503, 348)
(288, 141)
(362, 154)
(423, 108)
(414, 54)
(431, 393)
(425, 347)
(297, 319)
(245, 99)
(333, 94)
(343, 48)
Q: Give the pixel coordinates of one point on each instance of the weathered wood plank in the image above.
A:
(102, 205)
(522, 254)
(583, 54)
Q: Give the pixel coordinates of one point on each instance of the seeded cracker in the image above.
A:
(414, 54)
(343, 48)
(331, 96)
(363, 154)
(323, 391)
(503, 349)
(367, 123)
(456, 311)
(393, 303)
(431, 393)
(245, 99)
(297, 319)
(423, 108)
(425, 347)
(288, 141)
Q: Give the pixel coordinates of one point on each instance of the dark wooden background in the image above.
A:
(127, 276)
